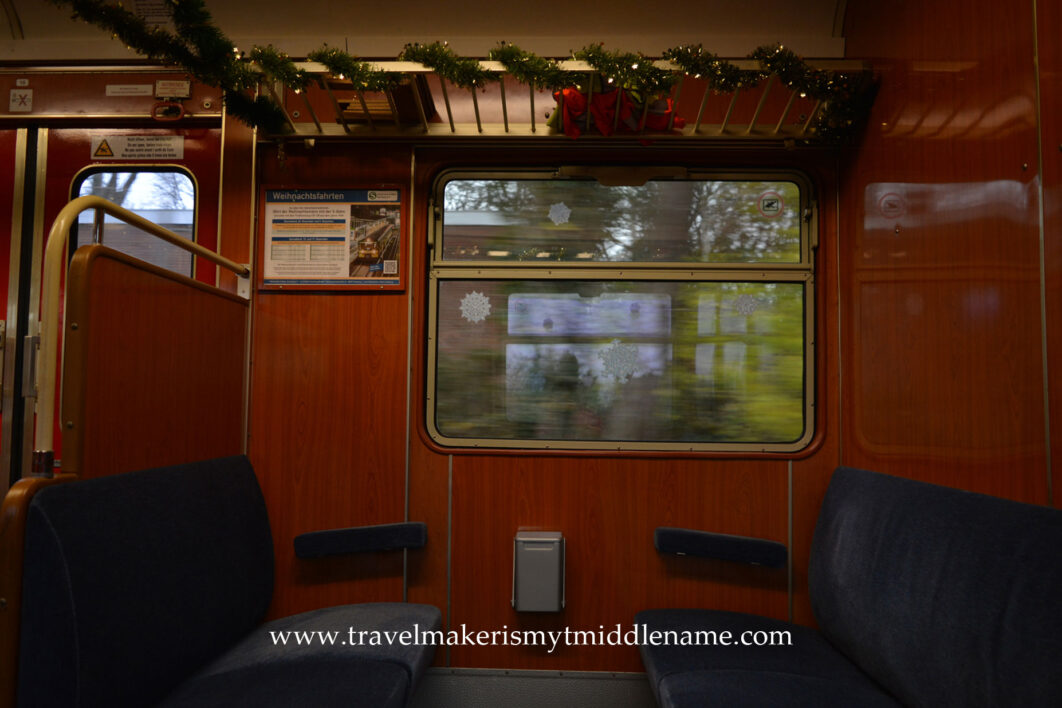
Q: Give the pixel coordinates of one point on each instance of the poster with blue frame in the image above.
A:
(326, 239)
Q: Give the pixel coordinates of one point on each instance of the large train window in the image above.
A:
(162, 194)
(672, 315)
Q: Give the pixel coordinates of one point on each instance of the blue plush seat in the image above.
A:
(150, 587)
(924, 595)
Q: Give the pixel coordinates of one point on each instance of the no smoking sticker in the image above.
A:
(892, 206)
(771, 204)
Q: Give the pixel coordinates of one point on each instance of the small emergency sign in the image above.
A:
(21, 100)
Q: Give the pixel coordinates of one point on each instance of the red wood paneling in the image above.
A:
(328, 405)
(1049, 54)
(236, 198)
(943, 375)
(607, 510)
(144, 351)
(327, 434)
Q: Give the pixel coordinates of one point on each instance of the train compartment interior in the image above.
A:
(539, 332)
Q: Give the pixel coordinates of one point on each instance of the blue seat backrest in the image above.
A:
(134, 581)
(945, 597)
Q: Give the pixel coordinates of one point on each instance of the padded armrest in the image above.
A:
(361, 539)
(742, 549)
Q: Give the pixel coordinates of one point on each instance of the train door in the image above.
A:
(12, 167)
(170, 175)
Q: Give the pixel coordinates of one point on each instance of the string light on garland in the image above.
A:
(721, 75)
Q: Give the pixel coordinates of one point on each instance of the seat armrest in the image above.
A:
(361, 539)
(721, 546)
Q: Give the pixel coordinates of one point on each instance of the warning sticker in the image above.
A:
(104, 149)
(138, 147)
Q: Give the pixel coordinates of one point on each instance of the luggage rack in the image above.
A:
(423, 104)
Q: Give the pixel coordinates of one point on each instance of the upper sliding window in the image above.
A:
(162, 194)
(675, 314)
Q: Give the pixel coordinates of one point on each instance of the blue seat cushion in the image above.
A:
(807, 672)
(322, 668)
(767, 689)
(134, 581)
(945, 596)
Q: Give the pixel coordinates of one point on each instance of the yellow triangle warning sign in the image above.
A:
(104, 150)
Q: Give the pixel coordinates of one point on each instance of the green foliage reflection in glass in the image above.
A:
(582, 221)
(699, 362)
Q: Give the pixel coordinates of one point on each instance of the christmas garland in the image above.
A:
(360, 73)
(529, 68)
(207, 54)
(721, 75)
(628, 71)
(466, 73)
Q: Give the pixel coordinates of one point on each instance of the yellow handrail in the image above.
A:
(48, 327)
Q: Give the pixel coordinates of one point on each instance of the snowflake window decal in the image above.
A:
(475, 307)
(746, 304)
(559, 213)
(620, 360)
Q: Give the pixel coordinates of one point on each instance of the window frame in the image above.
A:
(802, 271)
(85, 173)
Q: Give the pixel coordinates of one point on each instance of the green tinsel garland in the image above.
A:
(279, 66)
(721, 75)
(529, 68)
(437, 56)
(207, 54)
(360, 73)
(844, 100)
(626, 70)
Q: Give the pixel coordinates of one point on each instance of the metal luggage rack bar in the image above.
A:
(424, 104)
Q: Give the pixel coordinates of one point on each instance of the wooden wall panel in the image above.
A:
(1049, 54)
(236, 199)
(144, 350)
(607, 510)
(328, 404)
(327, 437)
(943, 375)
(811, 475)
(428, 568)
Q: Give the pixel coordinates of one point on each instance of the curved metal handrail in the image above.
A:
(48, 322)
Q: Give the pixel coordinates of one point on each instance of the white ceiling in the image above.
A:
(731, 28)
